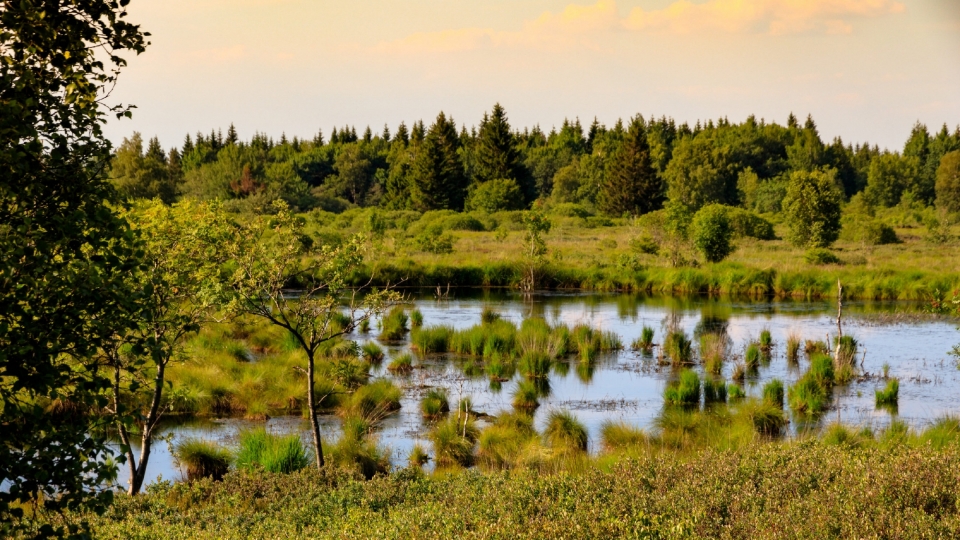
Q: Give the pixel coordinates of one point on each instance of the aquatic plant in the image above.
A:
(488, 315)
(500, 445)
(416, 319)
(393, 325)
(837, 434)
(401, 365)
(766, 341)
(739, 372)
(453, 441)
(678, 348)
(564, 431)
(432, 339)
(418, 456)
(714, 348)
(734, 391)
(944, 431)
(822, 370)
(525, 396)
(793, 348)
(435, 403)
(364, 326)
(643, 343)
(202, 459)
(685, 391)
(274, 453)
(534, 365)
(751, 358)
(371, 352)
(889, 395)
(773, 393)
(811, 347)
(372, 401)
(714, 390)
(767, 418)
(807, 396)
(356, 450)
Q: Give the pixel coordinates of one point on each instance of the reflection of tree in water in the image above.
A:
(714, 319)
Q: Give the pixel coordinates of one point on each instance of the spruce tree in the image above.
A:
(631, 185)
(402, 135)
(232, 135)
(437, 178)
(498, 155)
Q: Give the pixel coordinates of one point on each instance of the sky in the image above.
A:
(867, 70)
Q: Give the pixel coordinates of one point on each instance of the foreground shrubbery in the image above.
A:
(761, 491)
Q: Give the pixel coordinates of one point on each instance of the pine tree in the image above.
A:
(155, 151)
(318, 138)
(437, 179)
(498, 155)
(386, 133)
(631, 185)
(187, 145)
(402, 134)
(367, 135)
(418, 133)
(232, 135)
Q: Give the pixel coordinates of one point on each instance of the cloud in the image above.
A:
(585, 25)
(775, 17)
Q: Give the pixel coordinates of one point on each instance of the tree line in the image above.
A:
(630, 168)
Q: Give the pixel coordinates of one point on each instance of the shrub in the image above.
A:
(565, 431)
(820, 257)
(711, 233)
(434, 240)
(876, 233)
(889, 395)
(495, 195)
(202, 459)
(645, 244)
(746, 224)
(274, 453)
(685, 391)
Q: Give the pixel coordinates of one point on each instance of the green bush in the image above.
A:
(820, 256)
(495, 195)
(746, 224)
(711, 233)
(434, 240)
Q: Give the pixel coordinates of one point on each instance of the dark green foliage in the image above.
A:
(434, 239)
(498, 158)
(714, 390)
(746, 224)
(631, 185)
(202, 459)
(64, 253)
(494, 196)
(436, 178)
(711, 233)
(948, 182)
(812, 209)
(685, 391)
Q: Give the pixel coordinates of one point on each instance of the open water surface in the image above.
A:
(629, 385)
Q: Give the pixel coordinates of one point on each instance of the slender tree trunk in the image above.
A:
(124, 435)
(312, 405)
(146, 439)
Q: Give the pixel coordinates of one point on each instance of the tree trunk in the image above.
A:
(312, 406)
(124, 435)
(146, 439)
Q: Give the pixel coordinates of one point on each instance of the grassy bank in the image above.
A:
(623, 255)
(774, 490)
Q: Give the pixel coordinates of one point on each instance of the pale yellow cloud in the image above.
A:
(775, 17)
(585, 24)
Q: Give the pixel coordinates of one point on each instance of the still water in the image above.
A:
(628, 385)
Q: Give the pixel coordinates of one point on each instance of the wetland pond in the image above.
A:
(629, 385)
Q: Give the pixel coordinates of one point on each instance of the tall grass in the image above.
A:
(618, 435)
(714, 390)
(401, 365)
(773, 393)
(766, 341)
(435, 403)
(416, 319)
(373, 401)
(793, 348)
(564, 431)
(453, 441)
(202, 459)
(393, 326)
(751, 358)
(714, 348)
(678, 348)
(273, 453)
(535, 365)
(644, 343)
(431, 340)
(685, 391)
(371, 352)
(525, 396)
(357, 450)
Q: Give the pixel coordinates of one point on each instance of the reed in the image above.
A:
(535, 365)
(807, 396)
(371, 352)
(714, 348)
(393, 325)
(812, 347)
(488, 315)
(751, 359)
(793, 348)
(678, 348)
(644, 343)
(766, 341)
(373, 401)
(202, 459)
(739, 372)
(618, 435)
(525, 396)
(416, 319)
(735, 392)
(453, 441)
(431, 340)
(714, 390)
(767, 418)
(418, 456)
(822, 370)
(355, 450)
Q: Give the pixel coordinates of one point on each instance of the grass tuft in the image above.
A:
(202, 459)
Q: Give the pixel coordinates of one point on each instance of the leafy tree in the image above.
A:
(631, 185)
(182, 249)
(701, 172)
(495, 195)
(271, 252)
(437, 181)
(63, 254)
(354, 173)
(712, 233)
(807, 151)
(139, 176)
(498, 156)
(889, 176)
(948, 182)
(534, 246)
(812, 208)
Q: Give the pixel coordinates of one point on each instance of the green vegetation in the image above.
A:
(684, 391)
(402, 364)
(678, 348)
(435, 403)
(889, 395)
(645, 341)
(565, 433)
(773, 393)
(271, 452)
(202, 459)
